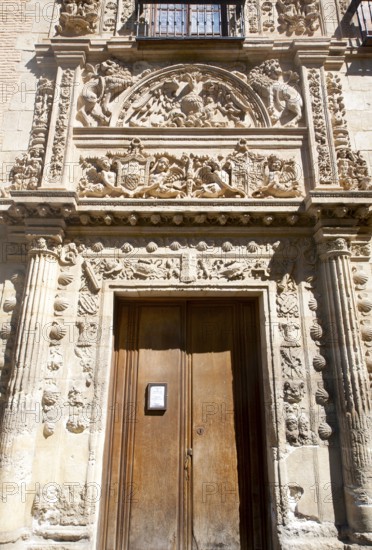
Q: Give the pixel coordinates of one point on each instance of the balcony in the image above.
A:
(364, 12)
(189, 21)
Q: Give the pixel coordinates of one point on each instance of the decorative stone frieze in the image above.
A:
(137, 174)
(110, 11)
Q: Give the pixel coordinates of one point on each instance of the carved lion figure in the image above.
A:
(282, 98)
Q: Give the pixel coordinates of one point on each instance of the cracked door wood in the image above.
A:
(190, 477)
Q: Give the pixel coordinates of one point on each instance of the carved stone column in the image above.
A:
(21, 416)
(353, 401)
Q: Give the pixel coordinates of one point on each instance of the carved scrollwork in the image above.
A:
(136, 174)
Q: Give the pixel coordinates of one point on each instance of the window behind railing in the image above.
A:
(158, 20)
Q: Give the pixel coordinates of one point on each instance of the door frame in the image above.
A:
(112, 294)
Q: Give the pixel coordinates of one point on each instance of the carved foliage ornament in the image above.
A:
(198, 96)
(136, 174)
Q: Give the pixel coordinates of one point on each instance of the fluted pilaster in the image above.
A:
(353, 400)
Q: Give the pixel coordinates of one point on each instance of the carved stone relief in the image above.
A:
(279, 90)
(241, 174)
(26, 173)
(322, 146)
(102, 85)
(78, 17)
(191, 96)
(109, 15)
(298, 17)
(352, 168)
(61, 127)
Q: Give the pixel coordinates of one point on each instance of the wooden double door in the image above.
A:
(192, 476)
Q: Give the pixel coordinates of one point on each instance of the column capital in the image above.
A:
(334, 246)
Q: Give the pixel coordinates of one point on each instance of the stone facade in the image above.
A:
(194, 168)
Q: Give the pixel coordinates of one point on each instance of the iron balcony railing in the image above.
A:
(157, 20)
(364, 12)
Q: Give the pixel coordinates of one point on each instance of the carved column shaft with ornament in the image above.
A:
(21, 415)
(351, 384)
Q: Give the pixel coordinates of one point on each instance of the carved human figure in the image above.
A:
(292, 430)
(212, 182)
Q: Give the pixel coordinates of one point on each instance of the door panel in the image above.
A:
(214, 473)
(156, 457)
(190, 477)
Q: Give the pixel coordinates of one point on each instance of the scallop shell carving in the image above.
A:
(202, 246)
(175, 245)
(252, 247)
(316, 331)
(5, 330)
(324, 431)
(127, 248)
(364, 304)
(227, 246)
(57, 332)
(65, 279)
(367, 333)
(321, 396)
(60, 304)
(10, 304)
(360, 278)
(151, 247)
(319, 363)
(313, 304)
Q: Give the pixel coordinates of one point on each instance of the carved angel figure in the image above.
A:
(78, 17)
(279, 179)
(282, 98)
(103, 83)
(26, 172)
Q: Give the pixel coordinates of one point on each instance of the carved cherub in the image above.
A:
(279, 179)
